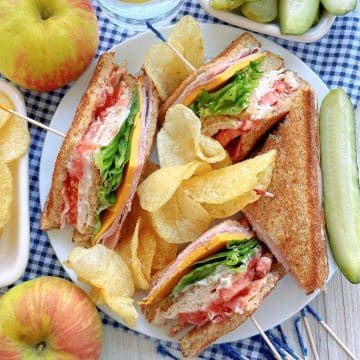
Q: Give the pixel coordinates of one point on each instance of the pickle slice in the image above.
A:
(339, 7)
(226, 4)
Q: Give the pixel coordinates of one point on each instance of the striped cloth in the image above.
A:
(336, 58)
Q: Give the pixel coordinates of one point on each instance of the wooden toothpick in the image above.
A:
(170, 46)
(265, 337)
(32, 121)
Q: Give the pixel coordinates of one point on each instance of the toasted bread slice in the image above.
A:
(291, 224)
(198, 339)
(51, 216)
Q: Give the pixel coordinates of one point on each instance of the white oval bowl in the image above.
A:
(273, 29)
(15, 237)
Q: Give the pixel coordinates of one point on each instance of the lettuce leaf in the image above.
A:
(235, 257)
(112, 159)
(232, 98)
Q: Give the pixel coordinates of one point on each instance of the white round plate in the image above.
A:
(286, 299)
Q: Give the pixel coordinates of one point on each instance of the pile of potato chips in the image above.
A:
(182, 200)
(115, 275)
(14, 142)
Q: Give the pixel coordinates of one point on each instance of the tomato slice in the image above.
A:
(233, 149)
(198, 318)
(224, 137)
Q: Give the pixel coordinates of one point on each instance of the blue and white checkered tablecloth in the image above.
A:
(336, 58)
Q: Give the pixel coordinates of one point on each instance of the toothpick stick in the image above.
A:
(330, 331)
(310, 336)
(31, 121)
(170, 46)
(266, 339)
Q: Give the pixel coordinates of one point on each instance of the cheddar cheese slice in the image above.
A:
(184, 265)
(221, 78)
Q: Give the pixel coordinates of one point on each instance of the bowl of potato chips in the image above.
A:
(14, 193)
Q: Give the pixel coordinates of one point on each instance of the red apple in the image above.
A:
(49, 316)
(44, 44)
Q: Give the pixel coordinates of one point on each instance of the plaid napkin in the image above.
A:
(336, 58)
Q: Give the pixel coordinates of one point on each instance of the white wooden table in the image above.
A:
(339, 307)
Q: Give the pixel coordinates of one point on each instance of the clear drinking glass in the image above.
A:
(133, 15)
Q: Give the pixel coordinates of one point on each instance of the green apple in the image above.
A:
(44, 44)
(49, 318)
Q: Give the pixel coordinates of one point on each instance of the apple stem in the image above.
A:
(41, 347)
(46, 13)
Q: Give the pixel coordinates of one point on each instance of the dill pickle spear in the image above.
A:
(226, 5)
(260, 11)
(297, 16)
(339, 7)
(341, 181)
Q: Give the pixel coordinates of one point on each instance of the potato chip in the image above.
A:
(6, 102)
(226, 184)
(231, 207)
(150, 167)
(226, 162)
(140, 280)
(165, 68)
(165, 253)
(14, 139)
(129, 224)
(181, 219)
(146, 250)
(95, 294)
(158, 188)
(138, 250)
(124, 307)
(107, 272)
(187, 33)
(6, 193)
(180, 140)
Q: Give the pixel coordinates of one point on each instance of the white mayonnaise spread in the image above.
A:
(264, 86)
(198, 296)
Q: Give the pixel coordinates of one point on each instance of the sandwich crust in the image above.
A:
(51, 216)
(292, 223)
